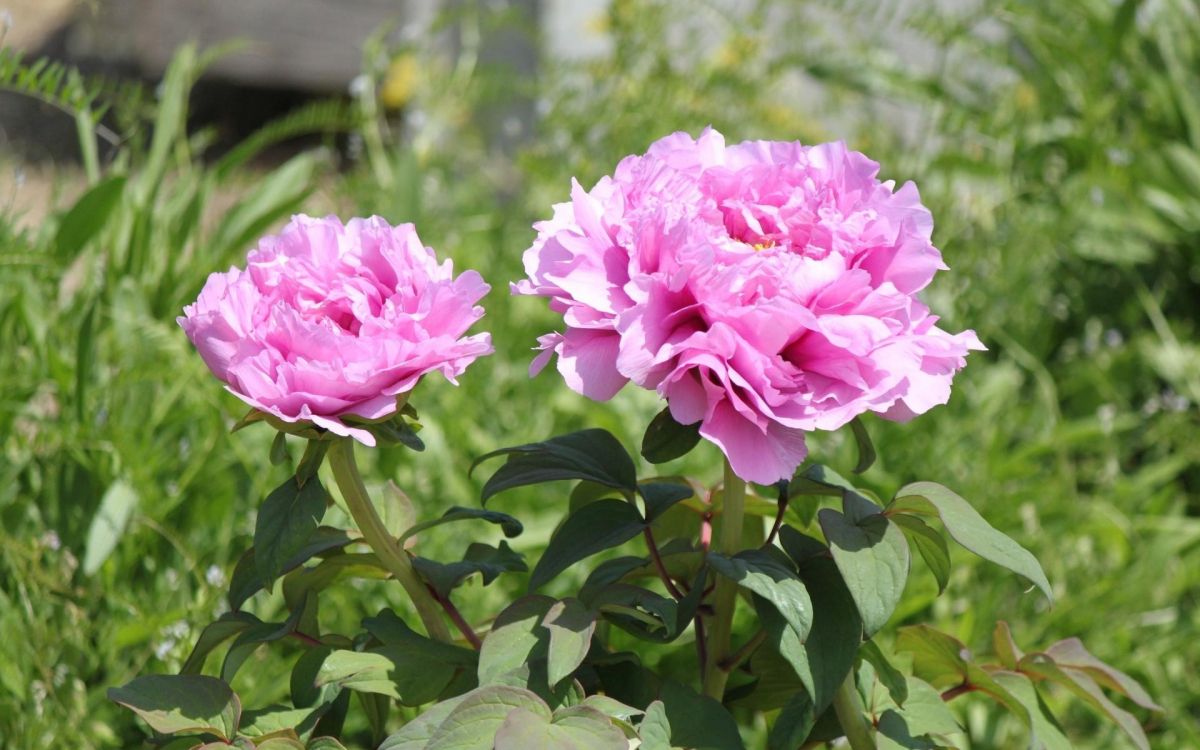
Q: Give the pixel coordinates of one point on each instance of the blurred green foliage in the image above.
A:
(1058, 145)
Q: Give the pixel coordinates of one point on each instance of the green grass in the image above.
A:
(1066, 190)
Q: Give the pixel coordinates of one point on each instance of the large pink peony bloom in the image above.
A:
(764, 289)
(330, 320)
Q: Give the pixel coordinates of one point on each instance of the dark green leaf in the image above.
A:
(793, 724)
(214, 634)
(88, 216)
(571, 626)
(376, 708)
(890, 677)
(772, 580)
(256, 635)
(245, 581)
(929, 543)
(826, 657)
(593, 528)
(683, 718)
(177, 704)
(279, 452)
(286, 522)
(661, 496)
(970, 529)
(509, 525)
(866, 450)
(800, 547)
(871, 554)
(480, 558)
(303, 681)
(390, 630)
(666, 439)
(593, 455)
(310, 462)
(923, 712)
(641, 612)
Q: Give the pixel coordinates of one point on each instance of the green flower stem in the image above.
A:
(391, 554)
(725, 595)
(849, 710)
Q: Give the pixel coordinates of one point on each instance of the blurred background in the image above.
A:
(147, 143)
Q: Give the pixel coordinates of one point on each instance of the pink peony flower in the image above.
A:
(764, 289)
(330, 320)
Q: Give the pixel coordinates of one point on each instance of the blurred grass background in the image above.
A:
(1057, 144)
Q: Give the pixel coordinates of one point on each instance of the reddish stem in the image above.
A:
(305, 638)
(456, 617)
(782, 509)
(658, 563)
(958, 690)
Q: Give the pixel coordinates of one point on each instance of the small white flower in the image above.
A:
(51, 540)
(1113, 338)
(214, 576)
(358, 86)
(6, 20)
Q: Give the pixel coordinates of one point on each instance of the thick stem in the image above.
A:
(725, 596)
(849, 710)
(391, 554)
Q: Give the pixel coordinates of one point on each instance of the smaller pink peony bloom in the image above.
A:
(764, 290)
(332, 319)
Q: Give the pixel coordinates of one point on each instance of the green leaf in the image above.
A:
(662, 496)
(286, 522)
(390, 630)
(1006, 648)
(889, 677)
(682, 717)
(793, 724)
(516, 638)
(275, 719)
(593, 528)
(246, 582)
(871, 554)
(593, 455)
(1080, 683)
(177, 704)
(280, 743)
(256, 635)
(571, 626)
(416, 734)
(409, 676)
(484, 559)
(665, 439)
(894, 734)
(303, 681)
(923, 711)
(214, 634)
(397, 513)
(930, 544)
(823, 660)
(759, 572)
(275, 196)
(325, 743)
(474, 722)
(116, 508)
(800, 547)
(1072, 653)
(310, 462)
(88, 216)
(1045, 730)
(943, 661)
(866, 450)
(969, 529)
(509, 525)
(279, 452)
(575, 728)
